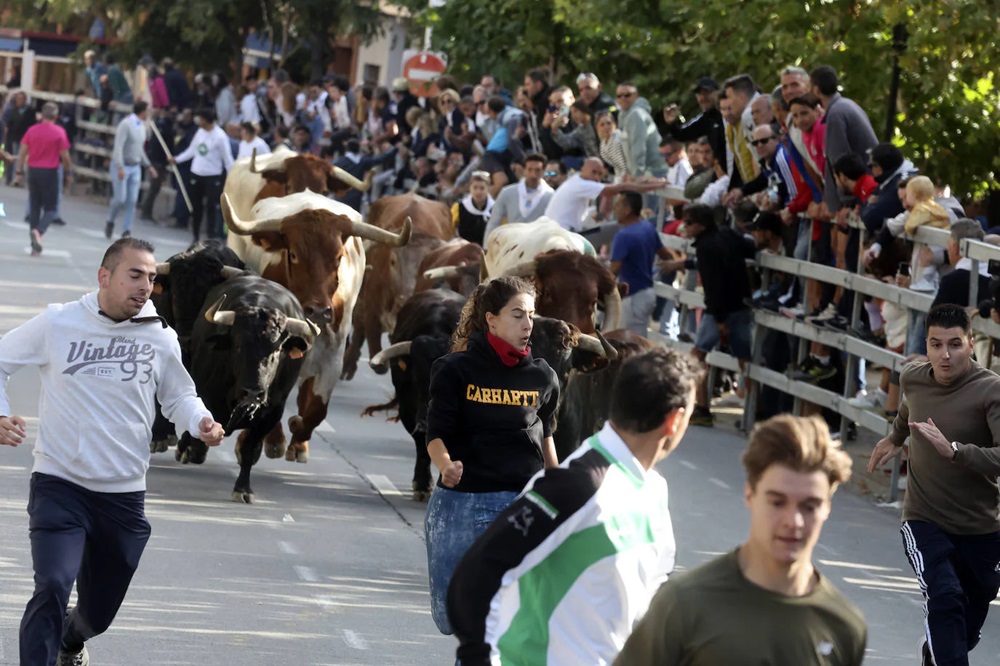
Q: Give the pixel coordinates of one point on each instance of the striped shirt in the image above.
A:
(563, 575)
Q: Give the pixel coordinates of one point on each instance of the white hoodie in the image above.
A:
(100, 380)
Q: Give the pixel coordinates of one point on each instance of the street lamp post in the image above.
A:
(899, 37)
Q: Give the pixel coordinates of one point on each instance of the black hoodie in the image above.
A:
(491, 417)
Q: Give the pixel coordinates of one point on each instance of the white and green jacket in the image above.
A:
(563, 575)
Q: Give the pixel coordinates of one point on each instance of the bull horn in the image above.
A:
(441, 273)
(241, 228)
(523, 269)
(389, 353)
(345, 177)
(222, 317)
(276, 165)
(163, 268)
(302, 328)
(596, 345)
(379, 235)
(612, 309)
(229, 272)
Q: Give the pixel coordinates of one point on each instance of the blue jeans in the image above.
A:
(739, 324)
(125, 194)
(453, 522)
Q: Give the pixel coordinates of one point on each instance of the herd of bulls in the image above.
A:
(304, 282)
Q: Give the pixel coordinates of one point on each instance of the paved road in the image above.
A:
(328, 567)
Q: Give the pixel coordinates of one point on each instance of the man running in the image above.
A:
(951, 526)
(563, 574)
(764, 602)
(43, 147)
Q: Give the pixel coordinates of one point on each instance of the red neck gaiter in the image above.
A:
(508, 353)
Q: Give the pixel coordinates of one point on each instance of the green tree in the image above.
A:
(947, 119)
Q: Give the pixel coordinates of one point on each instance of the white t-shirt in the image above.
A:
(570, 202)
(210, 153)
(246, 149)
(249, 111)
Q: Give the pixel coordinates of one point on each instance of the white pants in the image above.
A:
(637, 308)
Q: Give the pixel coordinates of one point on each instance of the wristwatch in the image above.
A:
(954, 449)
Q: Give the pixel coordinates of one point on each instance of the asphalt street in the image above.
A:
(328, 566)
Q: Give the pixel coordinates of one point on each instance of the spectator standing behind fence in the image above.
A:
(721, 255)
(128, 158)
(489, 425)
(640, 137)
(120, 90)
(570, 203)
(766, 598)
(17, 118)
(95, 69)
(211, 157)
(566, 532)
(951, 526)
(177, 86)
(634, 249)
(43, 147)
(524, 201)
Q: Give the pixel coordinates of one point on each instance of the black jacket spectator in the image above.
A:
(708, 124)
(954, 288)
(19, 122)
(177, 87)
(722, 254)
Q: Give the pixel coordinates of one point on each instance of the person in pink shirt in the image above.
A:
(43, 146)
(158, 89)
(807, 114)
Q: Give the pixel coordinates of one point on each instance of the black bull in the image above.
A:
(423, 334)
(247, 347)
(182, 283)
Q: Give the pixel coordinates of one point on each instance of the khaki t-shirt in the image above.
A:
(712, 616)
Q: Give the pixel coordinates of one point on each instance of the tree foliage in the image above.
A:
(947, 118)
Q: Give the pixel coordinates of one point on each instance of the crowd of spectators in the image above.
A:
(782, 168)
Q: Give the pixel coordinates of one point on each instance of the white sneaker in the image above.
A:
(866, 400)
(796, 312)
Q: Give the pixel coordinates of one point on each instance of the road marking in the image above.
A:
(287, 518)
(354, 640)
(720, 483)
(689, 465)
(383, 484)
(306, 574)
(324, 602)
(287, 548)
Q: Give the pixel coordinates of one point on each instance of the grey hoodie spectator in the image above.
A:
(639, 133)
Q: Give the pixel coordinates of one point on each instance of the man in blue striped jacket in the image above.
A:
(563, 575)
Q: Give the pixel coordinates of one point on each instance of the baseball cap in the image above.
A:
(400, 85)
(706, 83)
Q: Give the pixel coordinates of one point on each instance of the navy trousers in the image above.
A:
(77, 535)
(959, 576)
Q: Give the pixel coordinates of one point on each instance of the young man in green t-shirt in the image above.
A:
(764, 599)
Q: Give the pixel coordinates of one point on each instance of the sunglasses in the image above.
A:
(550, 174)
(758, 142)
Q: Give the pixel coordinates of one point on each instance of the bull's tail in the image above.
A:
(371, 409)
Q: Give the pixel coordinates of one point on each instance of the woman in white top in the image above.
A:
(249, 141)
(612, 151)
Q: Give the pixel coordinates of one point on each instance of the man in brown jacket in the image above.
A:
(951, 525)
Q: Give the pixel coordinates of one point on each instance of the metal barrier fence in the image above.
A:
(806, 332)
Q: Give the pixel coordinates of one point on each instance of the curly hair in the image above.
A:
(490, 296)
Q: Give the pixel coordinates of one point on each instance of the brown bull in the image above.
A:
(570, 285)
(392, 272)
(312, 245)
(298, 173)
(456, 264)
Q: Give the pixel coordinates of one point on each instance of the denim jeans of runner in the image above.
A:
(453, 522)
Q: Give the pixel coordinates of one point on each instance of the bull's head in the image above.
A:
(572, 293)
(307, 172)
(313, 245)
(259, 339)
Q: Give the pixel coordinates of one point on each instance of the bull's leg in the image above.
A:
(374, 337)
(422, 480)
(248, 446)
(352, 352)
(312, 411)
(181, 454)
(274, 443)
(163, 433)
